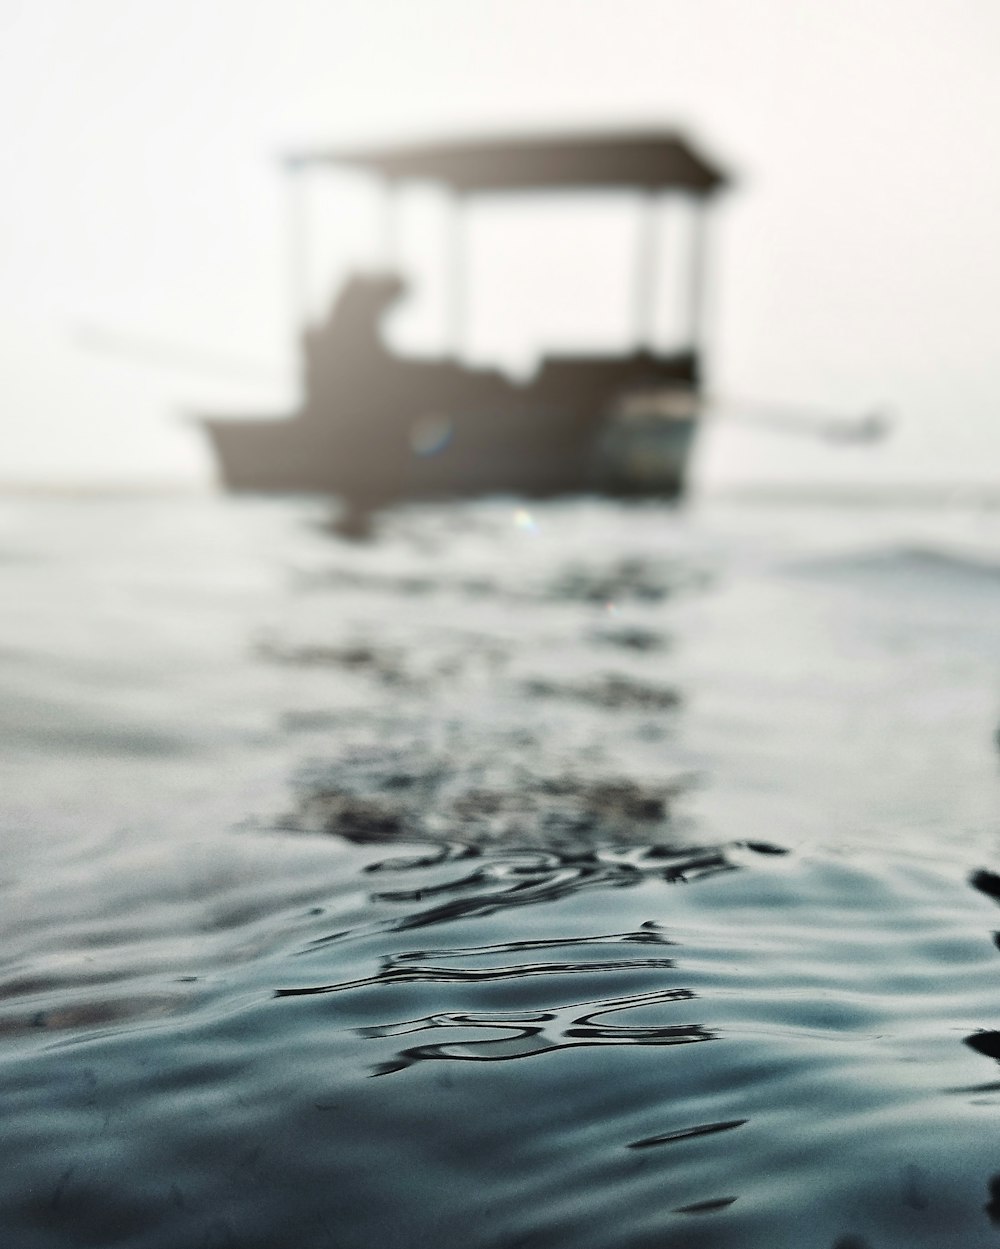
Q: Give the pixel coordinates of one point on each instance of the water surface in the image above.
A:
(580, 875)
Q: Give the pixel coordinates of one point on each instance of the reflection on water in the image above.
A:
(683, 1134)
(286, 814)
(518, 878)
(540, 1032)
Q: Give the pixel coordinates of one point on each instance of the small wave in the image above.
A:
(534, 1033)
(411, 966)
(686, 1134)
(516, 878)
(907, 562)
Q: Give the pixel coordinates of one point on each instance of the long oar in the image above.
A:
(177, 357)
(783, 417)
(871, 426)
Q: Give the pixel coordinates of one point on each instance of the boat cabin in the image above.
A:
(375, 425)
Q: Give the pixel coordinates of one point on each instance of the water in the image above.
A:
(577, 876)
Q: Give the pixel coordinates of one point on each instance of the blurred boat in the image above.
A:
(375, 425)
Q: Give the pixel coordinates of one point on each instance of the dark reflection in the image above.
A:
(915, 1187)
(684, 1134)
(537, 839)
(990, 1087)
(643, 582)
(531, 1033)
(411, 974)
(629, 579)
(987, 1043)
(394, 799)
(705, 1207)
(631, 639)
(355, 521)
(612, 692)
(986, 882)
(94, 1012)
(394, 584)
(648, 933)
(992, 1207)
(521, 878)
(411, 966)
(446, 852)
(382, 662)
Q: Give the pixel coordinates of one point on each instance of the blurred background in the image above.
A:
(142, 240)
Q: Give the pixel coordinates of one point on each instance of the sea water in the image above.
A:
(564, 875)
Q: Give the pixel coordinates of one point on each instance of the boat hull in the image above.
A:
(375, 428)
(289, 456)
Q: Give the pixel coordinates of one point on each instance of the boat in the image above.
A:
(375, 426)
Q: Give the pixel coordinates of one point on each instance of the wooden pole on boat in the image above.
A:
(456, 277)
(390, 230)
(298, 296)
(646, 265)
(697, 271)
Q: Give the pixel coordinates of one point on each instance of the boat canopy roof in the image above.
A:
(652, 160)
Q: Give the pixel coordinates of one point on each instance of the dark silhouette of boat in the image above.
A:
(375, 426)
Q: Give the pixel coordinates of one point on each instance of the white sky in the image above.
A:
(856, 261)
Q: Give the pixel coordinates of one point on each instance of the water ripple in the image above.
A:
(684, 1134)
(474, 795)
(531, 1034)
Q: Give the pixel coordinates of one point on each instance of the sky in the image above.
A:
(855, 261)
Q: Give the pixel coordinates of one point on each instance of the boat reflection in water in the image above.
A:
(375, 426)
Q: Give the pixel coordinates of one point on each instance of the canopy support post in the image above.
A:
(295, 208)
(457, 315)
(697, 271)
(646, 266)
(389, 242)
